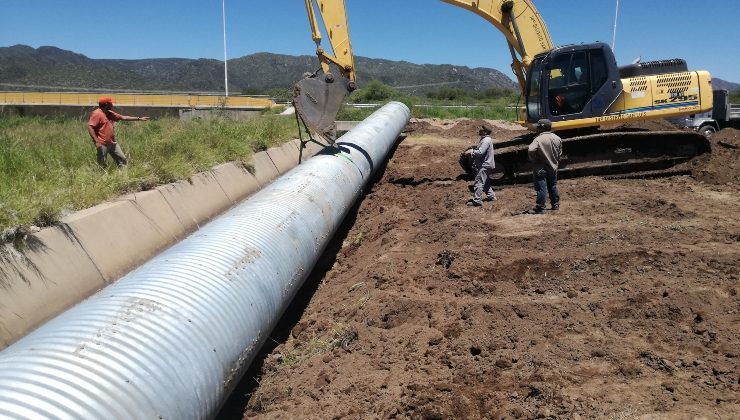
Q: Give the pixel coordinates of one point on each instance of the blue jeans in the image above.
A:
(546, 182)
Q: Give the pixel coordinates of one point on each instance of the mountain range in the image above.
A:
(50, 68)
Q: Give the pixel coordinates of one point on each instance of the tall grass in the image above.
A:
(48, 167)
(490, 112)
(490, 104)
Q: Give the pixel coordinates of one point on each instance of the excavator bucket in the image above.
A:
(317, 100)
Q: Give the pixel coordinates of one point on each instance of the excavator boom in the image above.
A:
(318, 96)
(576, 87)
(520, 23)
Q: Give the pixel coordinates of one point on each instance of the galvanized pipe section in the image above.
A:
(170, 339)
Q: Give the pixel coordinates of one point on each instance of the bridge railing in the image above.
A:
(135, 99)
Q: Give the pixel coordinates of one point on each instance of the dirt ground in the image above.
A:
(622, 304)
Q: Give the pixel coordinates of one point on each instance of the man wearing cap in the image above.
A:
(483, 165)
(100, 126)
(544, 152)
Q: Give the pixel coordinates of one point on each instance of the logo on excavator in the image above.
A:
(620, 116)
(676, 98)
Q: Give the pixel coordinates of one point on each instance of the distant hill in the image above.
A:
(44, 68)
(50, 68)
(723, 84)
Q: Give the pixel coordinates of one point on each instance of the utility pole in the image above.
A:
(226, 66)
(614, 37)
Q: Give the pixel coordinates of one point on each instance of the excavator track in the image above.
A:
(612, 153)
(666, 173)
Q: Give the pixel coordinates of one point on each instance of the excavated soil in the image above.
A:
(623, 304)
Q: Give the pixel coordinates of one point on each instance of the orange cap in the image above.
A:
(105, 100)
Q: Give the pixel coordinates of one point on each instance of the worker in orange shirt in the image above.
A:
(100, 126)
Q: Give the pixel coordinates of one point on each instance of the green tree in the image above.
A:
(735, 97)
(449, 94)
(373, 92)
(495, 93)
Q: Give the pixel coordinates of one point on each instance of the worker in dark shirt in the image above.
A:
(545, 152)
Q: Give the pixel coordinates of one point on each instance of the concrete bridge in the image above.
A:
(155, 104)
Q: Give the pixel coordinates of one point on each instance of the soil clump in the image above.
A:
(722, 166)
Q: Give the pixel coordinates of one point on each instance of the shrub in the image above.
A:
(449, 94)
(735, 97)
(373, 91)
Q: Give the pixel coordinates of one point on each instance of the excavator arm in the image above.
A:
(318, 97)
(522, 26)
(574, 86)
(334, 14)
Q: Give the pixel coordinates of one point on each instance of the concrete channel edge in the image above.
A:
(60, 266)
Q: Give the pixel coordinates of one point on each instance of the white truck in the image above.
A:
(724, 114)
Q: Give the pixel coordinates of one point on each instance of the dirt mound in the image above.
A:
(660, 208)
(723, 164)
(463, 128)
(623, 304)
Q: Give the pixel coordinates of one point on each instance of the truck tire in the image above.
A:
(707, 130)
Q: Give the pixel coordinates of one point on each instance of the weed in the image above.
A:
(676, 227)
(357, 240)
(291, 357)
(362, 301)
(356, 286)
(342, 336)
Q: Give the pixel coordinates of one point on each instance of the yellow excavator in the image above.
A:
(578, 87)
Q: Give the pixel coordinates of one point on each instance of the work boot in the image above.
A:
(555, 207)
(535, 211)
(473, 203)
(491, 198)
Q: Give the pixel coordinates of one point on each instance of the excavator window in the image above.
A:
(569, 86)
(599, 71)
(534, 111)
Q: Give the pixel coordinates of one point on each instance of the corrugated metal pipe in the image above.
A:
(171, 339)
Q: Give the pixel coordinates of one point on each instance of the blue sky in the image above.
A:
(704, 33)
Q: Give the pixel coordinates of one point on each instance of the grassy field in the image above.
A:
(491, 111)
(48, 167)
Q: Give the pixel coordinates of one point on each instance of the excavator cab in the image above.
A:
(572, 82)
